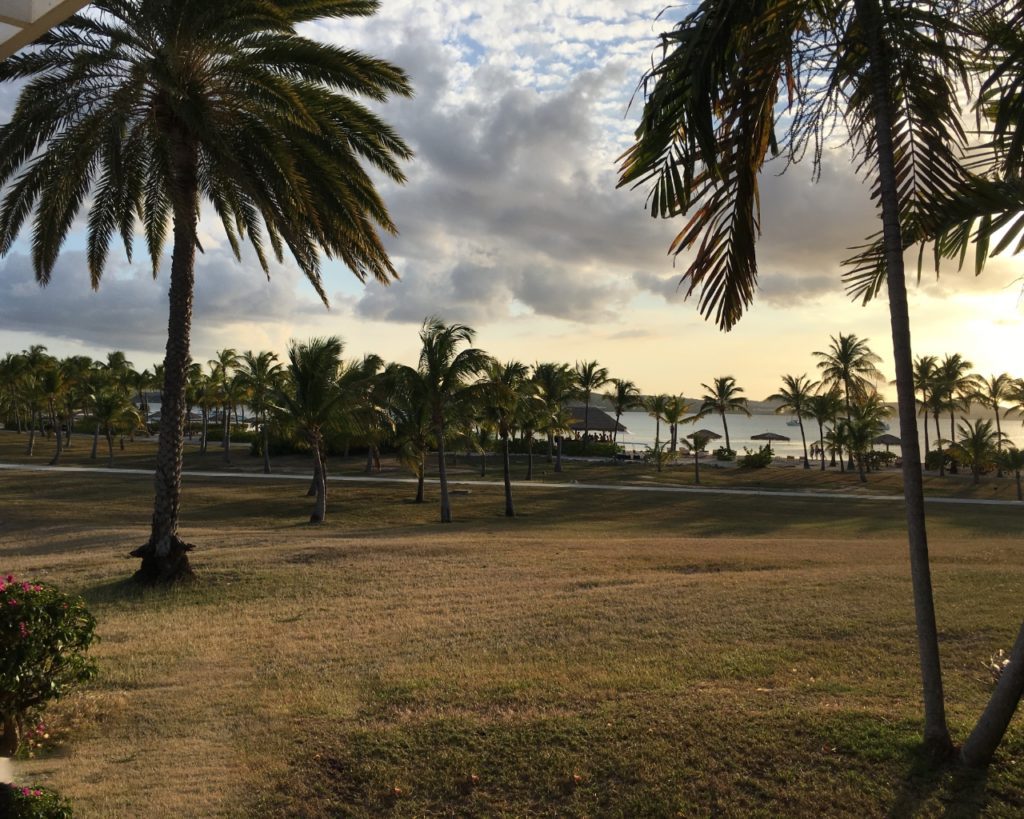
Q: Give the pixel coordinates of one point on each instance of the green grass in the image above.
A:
(605, 653)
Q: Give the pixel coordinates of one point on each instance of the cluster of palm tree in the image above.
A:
(43, 395)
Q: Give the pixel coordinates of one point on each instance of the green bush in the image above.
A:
(725, 454)
(936, 458)
(757, 460)
(44, 635)
(32, 803)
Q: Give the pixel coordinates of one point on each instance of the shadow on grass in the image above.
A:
(962, 792)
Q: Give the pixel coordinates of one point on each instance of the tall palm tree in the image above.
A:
(222, 380)
(113, 411)
(624, 396)
(413, 427)
(556, 386)
(655, 406)
(794, 395)
(152, 107)
(722, 396)
(925, 371)
(991, 392)
(849, 363)
(890, 70)
(978, 445)
(590, 376)
(1012, 460)
(957, 385)
(824, 408)
(503, 390)
(310, 397)
(259, 374)
(676, 412)
(446, 370)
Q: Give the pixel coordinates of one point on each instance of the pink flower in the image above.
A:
(25, 792)
(10, 578)
(26, 586)
(12, 602)
(37, 792)
(23, 629)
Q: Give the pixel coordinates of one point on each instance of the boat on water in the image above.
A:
(793, 423)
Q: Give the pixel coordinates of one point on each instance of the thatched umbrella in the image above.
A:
(700, 437)
(705, 435)
(888, 439)
(769, 437)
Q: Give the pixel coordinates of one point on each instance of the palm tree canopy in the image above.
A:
(590, 376)
(311, 392)
(116, 96)
(794, 395)
(712, 116)
(723, 395)
(445, 367)
(849, 363)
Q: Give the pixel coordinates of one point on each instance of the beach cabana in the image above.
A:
(594, 420)
(769, 437)
(704, 434)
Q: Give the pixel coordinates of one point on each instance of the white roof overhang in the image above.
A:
(22, 21)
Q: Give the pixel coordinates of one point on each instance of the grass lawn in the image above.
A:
(604, 653)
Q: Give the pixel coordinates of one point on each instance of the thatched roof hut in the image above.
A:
(593, 419)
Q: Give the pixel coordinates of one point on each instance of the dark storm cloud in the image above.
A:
(129, 310)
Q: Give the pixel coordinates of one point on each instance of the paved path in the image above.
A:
(806, 494)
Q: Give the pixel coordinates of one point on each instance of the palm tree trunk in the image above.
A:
(551, 447)
(696, 464)
(938, 445)
(615, 431)
(1020, 495)
(95, 441)
(110, 447)
(419, 477)
(936, 731)
(266, 447)
(206, 427)
(803, 438)
(10, 740)
(510, 511)
(226, 443)
(31, 434)
(529, 455)
(725, 427)
(442, 473)
(320, 477)
(60, 439)
(368, 469)
(977, 751)
(165, 555)
(558, 461)
(586, 424)
(483, 463)
(657, 442)
(926, 442)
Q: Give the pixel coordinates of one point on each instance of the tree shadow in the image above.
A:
(962, 791)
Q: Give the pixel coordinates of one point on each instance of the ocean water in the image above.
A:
(641, 429)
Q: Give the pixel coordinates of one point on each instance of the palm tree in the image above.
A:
(52, 386)
(411, 417)
(723, 396)
(849, 363)
(223, 383)
(556, 386)
(310, 398)
(243, 112)
(655, 406)
(446, 369)
(503, 390)
(863, 425)
(978, 446)
(956, 385)
(623, 396)
(590, 376)
(925, 370)
(794, 396)
(113, 410)
(259, 374)
(1012, 460)
(711, 116)
(675, 413)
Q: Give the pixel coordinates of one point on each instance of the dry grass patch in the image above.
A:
(603, 654)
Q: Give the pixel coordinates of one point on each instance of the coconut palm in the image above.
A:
(890, 72)
(866, 421)
(676, 412)
(258, 374)
(1012, 460)
(624, 396)
(222, 381)
(991, 392)
(590, 376)
(925, 370)
(503, 389)
(849, 363)
(978, 445)
(446, 370)
(794, 395)
(556, 386)
(655, 406)
(957, 387)
(243, 112)
(411, 418)
(310, 397)
(113, 411)
(722, 396)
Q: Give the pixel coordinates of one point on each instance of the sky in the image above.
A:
(510, 221)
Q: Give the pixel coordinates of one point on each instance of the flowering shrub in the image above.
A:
(17, 802)
(44, 635)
